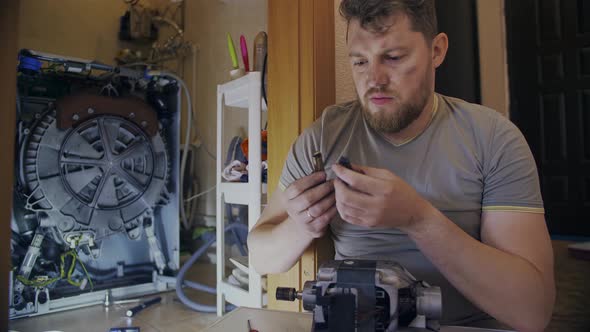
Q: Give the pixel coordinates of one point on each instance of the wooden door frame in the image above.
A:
(8, 63)
(301, 83)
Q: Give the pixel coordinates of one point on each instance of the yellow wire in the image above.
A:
(75, 259)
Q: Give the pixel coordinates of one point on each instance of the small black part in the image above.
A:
(50, 250)
(407, 305)
(286, 294)
(18, 302)
(345, 162)
(42, 297)
(342, 314)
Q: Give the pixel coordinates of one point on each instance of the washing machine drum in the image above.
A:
(99, 175)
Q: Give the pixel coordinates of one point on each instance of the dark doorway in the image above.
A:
(458, 76)
(549, 72)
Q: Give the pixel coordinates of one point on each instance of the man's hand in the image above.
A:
(310, 203)
(373, 197)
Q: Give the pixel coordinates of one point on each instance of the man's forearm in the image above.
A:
(275, 248)
(502, 284)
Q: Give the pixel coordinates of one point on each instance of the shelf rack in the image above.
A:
(242, 93)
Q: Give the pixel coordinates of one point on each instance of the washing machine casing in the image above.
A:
(95, 212)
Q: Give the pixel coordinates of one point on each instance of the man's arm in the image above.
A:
(285, 228)
(509, 275)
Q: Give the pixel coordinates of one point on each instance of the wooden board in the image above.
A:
(300, 86)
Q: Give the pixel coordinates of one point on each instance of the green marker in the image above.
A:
(232, 52)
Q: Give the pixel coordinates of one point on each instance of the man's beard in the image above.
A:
(394, 122)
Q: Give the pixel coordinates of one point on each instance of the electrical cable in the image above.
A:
(195, 50)
(193, 206)
(208, 152)
(75, 260)
(264, 69)
(63, 274)
(148, 65)
(195, 184)
(185, 221)
(200, 194)
(187, 136)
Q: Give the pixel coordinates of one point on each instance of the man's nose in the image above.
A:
(377, 75)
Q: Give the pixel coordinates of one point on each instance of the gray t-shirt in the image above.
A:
(469, 159)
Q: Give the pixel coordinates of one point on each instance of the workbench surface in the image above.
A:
(270, 320)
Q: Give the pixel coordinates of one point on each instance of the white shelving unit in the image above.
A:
(243, 93)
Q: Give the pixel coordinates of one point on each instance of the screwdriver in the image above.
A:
(250, 327)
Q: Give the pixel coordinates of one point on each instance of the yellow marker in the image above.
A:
(232, 52)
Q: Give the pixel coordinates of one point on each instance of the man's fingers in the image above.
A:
(378, 173)
(352, 198)
(324, 219)
(311, 196)
(317, 226)
(356, 180)
(350, 218)
(348, 211)
(322, 206)
(301, 185)
(346, 199)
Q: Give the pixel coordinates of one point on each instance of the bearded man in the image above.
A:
(446, 188)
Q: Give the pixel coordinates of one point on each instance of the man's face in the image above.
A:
(393, 73)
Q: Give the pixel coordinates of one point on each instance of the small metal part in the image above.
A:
(109, 90)
(90, 110)
(31, 256)
(75, 117)
(83, 283)
(318, 162)
(144, 124)
(107, 298)
(118, 302)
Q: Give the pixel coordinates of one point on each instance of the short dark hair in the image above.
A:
(372, 14)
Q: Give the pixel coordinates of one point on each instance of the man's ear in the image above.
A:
(440, 45)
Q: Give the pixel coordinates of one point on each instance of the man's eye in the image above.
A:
(394, 58)
(359, 62)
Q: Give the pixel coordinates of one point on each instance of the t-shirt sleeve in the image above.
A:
(299, 162)
(511, 181)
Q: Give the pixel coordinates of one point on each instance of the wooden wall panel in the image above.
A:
(283, 105)
(8, 62)
(300, 86)
(324, 55)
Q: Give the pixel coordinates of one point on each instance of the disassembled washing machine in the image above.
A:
(95, 213)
